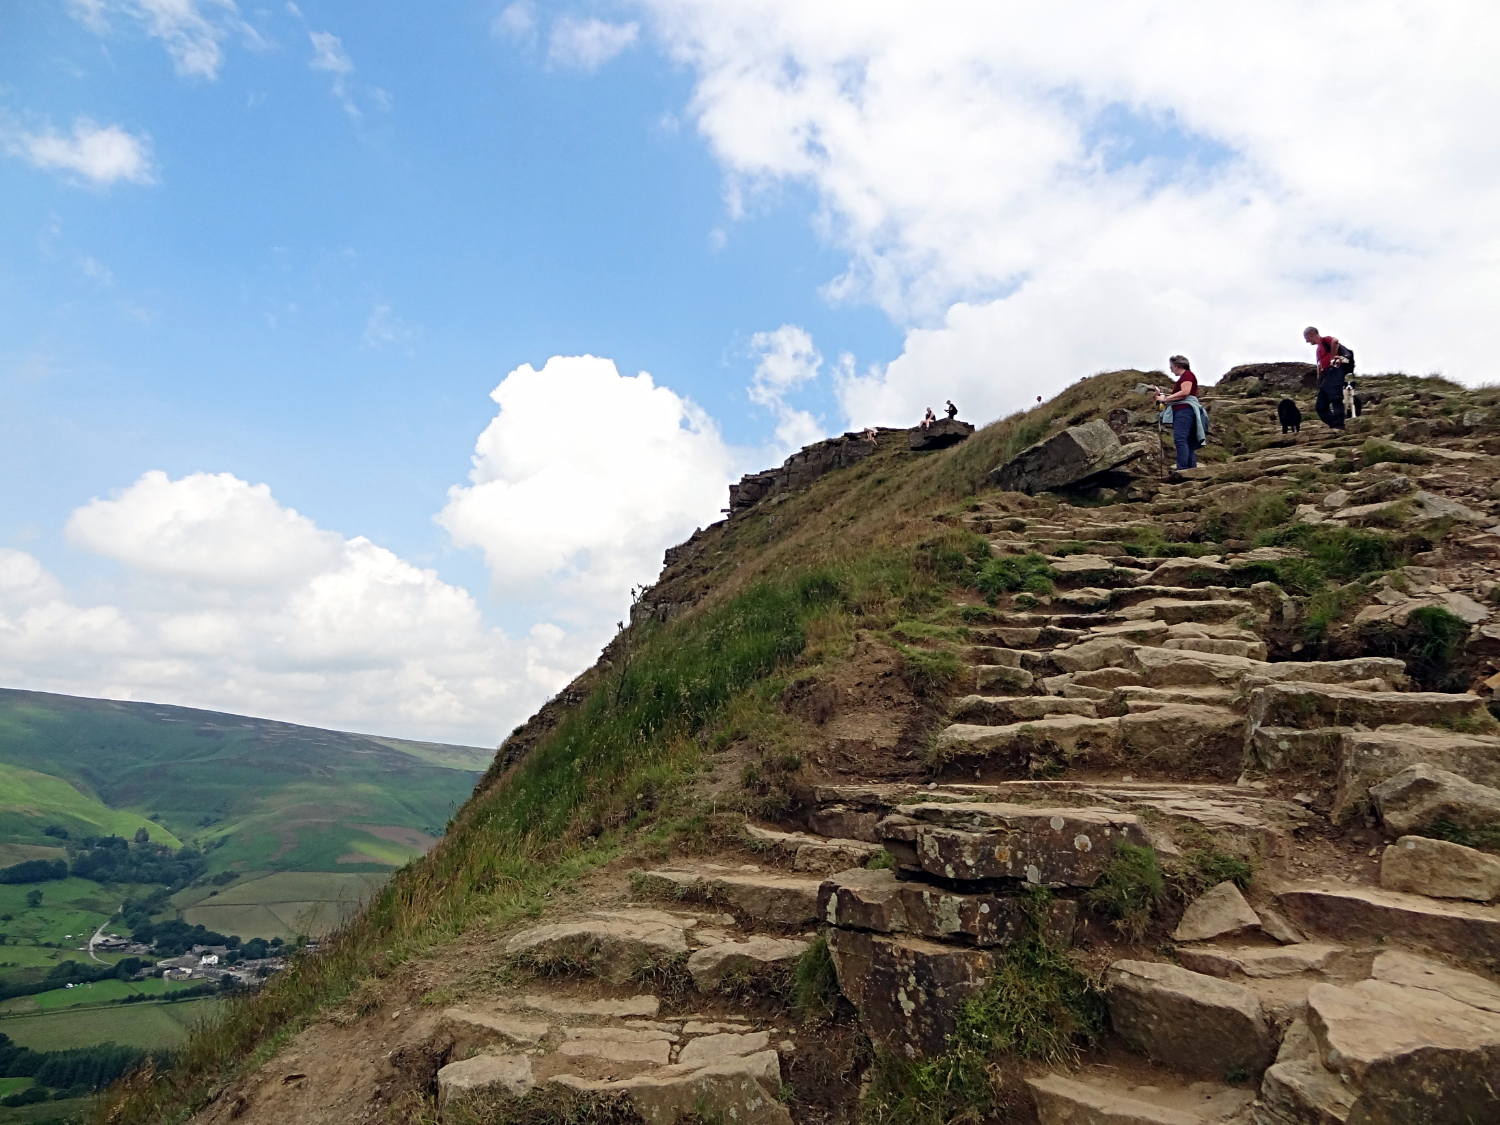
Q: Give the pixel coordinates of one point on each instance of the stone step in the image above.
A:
(1254, 650)
(1346, 913)
(1274, 962)
(609, 944)
(1164, 734)
(1103, 1098)
(967, 842)
(1197, 1024)
(1214, 806)
(814, 854)
(1422, 795)
(771, 898)
(1135, 697)
(1004, 677)
(1367, 758)
(1309, 705)
(991, 710)
(1069, 620)
(1026, 636)
(1440, 869)
(1177, 610)
(879, 902)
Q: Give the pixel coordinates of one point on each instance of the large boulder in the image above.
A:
(1197, 1024)
(876, 900)
(1076, 454)
(1418, 865)
(938, 435)
(1421, 795)
(611, 944)
(1369, 757)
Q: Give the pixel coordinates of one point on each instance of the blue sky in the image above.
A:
(294, 417)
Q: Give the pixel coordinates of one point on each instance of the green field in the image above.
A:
(10, 1086)
(70, 1110)
(69, 906)
(20, 853)
(137, 1025)
(284, 904)
(262, 795)
(99, 992)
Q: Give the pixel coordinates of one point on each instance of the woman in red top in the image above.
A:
(1184, 422)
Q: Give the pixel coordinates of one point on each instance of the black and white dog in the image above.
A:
(1290, 416)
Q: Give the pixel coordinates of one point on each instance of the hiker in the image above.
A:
(929, 418)
(1189, 419)
(1331, 365)
(871, 436)
(952, 410)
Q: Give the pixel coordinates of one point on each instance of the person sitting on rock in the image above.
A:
(1330, 400)
(929, 418)
(1189, 419)
(952, 411)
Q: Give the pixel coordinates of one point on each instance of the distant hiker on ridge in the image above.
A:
(1333, 358)
(952, 410)
(1189, 419)
(929, 418)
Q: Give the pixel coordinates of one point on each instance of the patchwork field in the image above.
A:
(71, 910)
(99, 992)
(138, 1025)
(283, 904)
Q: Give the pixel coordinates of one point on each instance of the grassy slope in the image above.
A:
(135, 1025)
(773, 599)
(280, 795)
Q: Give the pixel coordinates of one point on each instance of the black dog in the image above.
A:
(1291, 417)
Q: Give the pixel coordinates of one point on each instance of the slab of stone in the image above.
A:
(1275, 749)
(1067, 1101)
(1421, 795)
(1054, 846)
(1396, 966)
(1185, 571)
(608, 944)
(471, 1028)
(1167, 667)
(878, 901)
(709, 1049)
(1056, 734)
(843, 822)
(1001, 677)
(1370, 757)
(1305, 705)
(1217, 912)
(1221, 646)
(907, 990)
(484, 1074)
(1092, 654)
(1261, 962)
(742, 1090)
(1439, 869)
(755, 956)
(1415, 1055)
(643, 1005)
(1195, 1023)
(990, 710)
(1277, 928)
(618, 1044)
(1176, 610)
(1352, 913)
(1066, 458)
(1302, 1091)
(779, 900)
(1185, 734)
(937, 435)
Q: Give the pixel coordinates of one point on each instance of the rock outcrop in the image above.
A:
(1074, 455)
(941, 434)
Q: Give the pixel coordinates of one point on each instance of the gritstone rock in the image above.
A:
(939, 435)
(1218, 911)
(754, 957)
(1198, 1024)
(1437, 868)
(1066, 458)
(1421, 795)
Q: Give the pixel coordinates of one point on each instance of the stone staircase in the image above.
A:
(1135, 704)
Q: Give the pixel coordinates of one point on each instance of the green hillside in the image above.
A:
(259, 795)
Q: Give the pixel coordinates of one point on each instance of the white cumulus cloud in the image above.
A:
(787, 360)
(581, 481)
(589, 44)
(229, 600)
(103, 154)
(1038, 191)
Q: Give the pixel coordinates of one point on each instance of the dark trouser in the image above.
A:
(1330, 401)
(1184, 431)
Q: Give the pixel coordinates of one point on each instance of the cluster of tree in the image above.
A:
(69, 972)
(175, 937)
(35, 871)
(79, 1070)
(113, 859)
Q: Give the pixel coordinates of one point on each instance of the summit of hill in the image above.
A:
(1138, 797)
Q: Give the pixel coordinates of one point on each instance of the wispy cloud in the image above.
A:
(190, 30)
(518, 21)
(102, 154)
(96, 269)
(384, 328)
(330, 57)
(589, 44)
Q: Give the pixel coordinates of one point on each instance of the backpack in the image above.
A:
(1347, 353)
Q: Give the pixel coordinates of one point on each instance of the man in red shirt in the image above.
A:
(1330, 400)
